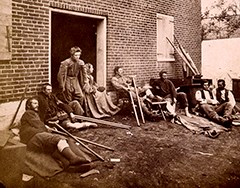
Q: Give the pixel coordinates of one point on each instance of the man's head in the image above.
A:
(163, 74)
(47, 89)
(205, 84)
(221, 84)
(75, 53)
(118, 70)
(32, 104)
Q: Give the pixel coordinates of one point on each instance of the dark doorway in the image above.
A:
(68, 31)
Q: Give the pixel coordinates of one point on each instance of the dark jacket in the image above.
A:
(163, 88)
(30, 125)
(49, 106)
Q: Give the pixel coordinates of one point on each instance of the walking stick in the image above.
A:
(72, 136)
(19, 105)
(81, 139)
(139, 103)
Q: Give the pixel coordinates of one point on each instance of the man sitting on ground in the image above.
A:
(208, 105)
(51, 109)
(165, 89)
(225, 98)
(37, 138)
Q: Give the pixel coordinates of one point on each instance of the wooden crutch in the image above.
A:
(139, 103)
(134, 108)
(81, 139)
(77, 140)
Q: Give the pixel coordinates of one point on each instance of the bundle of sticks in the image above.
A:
(185, 56)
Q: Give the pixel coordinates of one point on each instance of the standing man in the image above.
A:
(164, 88)
(37, 138)
(208, 104)
(72, 76)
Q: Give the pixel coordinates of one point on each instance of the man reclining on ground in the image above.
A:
(35, 135)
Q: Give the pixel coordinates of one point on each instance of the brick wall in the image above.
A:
(131, 39)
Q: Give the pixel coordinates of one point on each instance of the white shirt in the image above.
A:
(208, 100)
(230, 96)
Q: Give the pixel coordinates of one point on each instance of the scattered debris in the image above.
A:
(202, 153)
(90, 172)
(129, 133)
(26, 177)
(114, 160)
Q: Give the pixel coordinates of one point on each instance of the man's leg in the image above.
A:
(67, 152)
(225, 109)
(77, 108)
(182, 99)
(213, 115)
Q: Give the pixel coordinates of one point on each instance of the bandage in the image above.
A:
(62, 144)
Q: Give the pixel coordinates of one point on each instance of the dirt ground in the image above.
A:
(157, 154)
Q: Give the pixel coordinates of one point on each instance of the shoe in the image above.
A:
(227, 123)
(82, 168)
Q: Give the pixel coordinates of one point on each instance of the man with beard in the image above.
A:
(52, 109)
(225, 99)
(37, 138)
(165, 89)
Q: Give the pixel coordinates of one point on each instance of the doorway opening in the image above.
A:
(86, 31)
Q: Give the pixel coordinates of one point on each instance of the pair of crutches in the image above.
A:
(138, 103)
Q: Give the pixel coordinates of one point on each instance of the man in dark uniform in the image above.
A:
(37, 138)
(164, 88)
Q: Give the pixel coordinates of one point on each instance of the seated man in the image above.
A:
(122, 83)
(225, 98)
(208, 105)
(37, 138)
(51, 109)
(165, 89)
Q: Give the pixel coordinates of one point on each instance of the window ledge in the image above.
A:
(166, 59)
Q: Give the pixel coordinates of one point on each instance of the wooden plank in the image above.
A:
(113, 124)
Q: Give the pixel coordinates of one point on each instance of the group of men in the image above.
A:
(47, 107)
(217, 104)
(157, 90)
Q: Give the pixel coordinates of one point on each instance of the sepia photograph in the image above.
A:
(119, 93)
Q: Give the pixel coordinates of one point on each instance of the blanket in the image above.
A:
(46, 166)
(200, 125)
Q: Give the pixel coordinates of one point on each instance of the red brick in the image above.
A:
(131, 37)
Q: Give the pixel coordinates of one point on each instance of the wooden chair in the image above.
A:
(160, 106)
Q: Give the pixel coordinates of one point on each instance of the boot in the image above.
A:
(222, 121)
(64, 163)
(72, 157)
